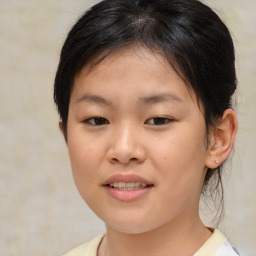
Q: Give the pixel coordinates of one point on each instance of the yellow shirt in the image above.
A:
(216, 245)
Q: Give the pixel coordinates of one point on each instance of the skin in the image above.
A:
(170, 152)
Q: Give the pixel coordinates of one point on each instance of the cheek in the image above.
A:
(180, 159)
(85, 157)
(182, 148)
(85, 163)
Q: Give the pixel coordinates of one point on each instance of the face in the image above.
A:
(137, 142)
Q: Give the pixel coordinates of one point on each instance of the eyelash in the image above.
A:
(163, 120)
(98, 121)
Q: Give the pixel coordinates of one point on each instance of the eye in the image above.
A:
(96, 121)
(158, 121)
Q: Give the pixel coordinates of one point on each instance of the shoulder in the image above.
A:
(217, 245)
(87, 249)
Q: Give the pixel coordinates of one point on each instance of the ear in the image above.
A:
(63, 130)
(222, 139)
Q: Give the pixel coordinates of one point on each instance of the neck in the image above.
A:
(168, 239)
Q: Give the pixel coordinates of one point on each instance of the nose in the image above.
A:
(126, 146)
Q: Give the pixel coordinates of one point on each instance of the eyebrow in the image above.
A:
(160, 98)
(94, 99)
(144, 100)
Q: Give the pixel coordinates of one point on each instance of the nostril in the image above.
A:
(124, 161)
(125, 155)
(114, 160)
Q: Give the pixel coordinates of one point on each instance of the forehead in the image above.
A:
(129, 66)
(135, 54)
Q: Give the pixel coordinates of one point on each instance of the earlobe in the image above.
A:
(222, 139)
(63, 130)
(61, 126)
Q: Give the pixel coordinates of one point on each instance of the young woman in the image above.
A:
(144, 90)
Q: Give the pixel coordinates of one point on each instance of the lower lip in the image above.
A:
(127, 195)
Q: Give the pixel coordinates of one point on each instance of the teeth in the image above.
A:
(127, 185)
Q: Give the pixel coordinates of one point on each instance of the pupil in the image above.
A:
(159, 121)
(100, 121)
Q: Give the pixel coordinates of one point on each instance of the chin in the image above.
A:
(130, 229)
(132, 226)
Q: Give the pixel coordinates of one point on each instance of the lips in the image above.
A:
(127, 187)
(126, 178)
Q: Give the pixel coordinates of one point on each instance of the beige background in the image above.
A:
(41, 212)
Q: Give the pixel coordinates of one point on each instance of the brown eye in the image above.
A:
(158, 121)
(97, 121)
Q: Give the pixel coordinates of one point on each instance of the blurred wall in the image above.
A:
(41, 212)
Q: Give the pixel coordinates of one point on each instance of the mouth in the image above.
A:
(128, 185)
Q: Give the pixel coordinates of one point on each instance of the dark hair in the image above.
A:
(192, 37)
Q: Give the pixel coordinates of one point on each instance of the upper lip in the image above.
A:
(126, 178)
